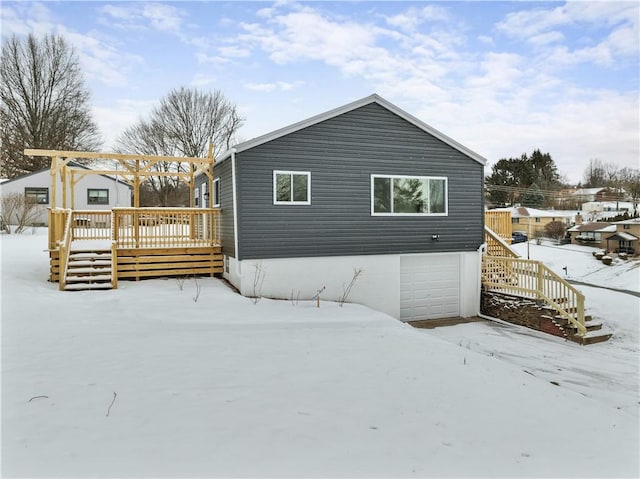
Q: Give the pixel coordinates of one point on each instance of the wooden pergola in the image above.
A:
(135, 169)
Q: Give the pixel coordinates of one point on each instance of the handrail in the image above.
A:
(65, 248)
(534, 279)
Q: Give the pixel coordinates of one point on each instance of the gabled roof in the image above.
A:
(72, 164)
(622, 236)
(345, 109)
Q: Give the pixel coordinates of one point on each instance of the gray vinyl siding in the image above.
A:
(342, 153)
(222, 170)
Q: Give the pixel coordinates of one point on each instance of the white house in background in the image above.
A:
(598, 210)
(532, 221)
(586, 195)
(92, 192)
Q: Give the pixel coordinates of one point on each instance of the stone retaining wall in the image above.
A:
(521, 311)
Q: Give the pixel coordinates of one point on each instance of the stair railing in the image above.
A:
(532, 279)
(64, 247)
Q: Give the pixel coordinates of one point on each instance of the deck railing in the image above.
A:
(499, 222)
(64, 246)
(166, 227)
(138, 227)
(496, 245)
(57, 222)
(532, 279)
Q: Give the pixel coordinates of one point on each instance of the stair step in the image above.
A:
(92, 262)
(591, 338)
(89, 255)
(87, 286)
(88, 278)
(88, 271)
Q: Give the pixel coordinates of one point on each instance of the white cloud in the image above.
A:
(234, 52)
(141, 16)
(413, 17)
(99, 56)
(200, 80)
(540, 26)
(24, 18)
(115, 118)
(269, 87)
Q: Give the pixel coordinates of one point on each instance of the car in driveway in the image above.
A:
(518, 237)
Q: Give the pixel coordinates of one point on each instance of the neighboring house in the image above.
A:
(587, 195)
(531, 221)
(602, 210)
(366, 187)
(626, 237)
(92, 192)
(592, 234)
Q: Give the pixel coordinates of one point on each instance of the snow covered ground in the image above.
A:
(144, 381)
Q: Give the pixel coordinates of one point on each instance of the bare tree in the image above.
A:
(183, 124)
(630, 179)
(555, 230)
(44, 103)
(18, 210)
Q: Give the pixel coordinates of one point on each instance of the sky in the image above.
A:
(502, 78)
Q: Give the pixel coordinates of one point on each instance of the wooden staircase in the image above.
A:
(89, 270)
(504, 272)
(593, 335)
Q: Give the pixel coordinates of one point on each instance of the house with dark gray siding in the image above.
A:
(365, 186)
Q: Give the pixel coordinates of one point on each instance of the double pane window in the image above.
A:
(407, 195)
(39, 196)
(291, 187)
(97, 196)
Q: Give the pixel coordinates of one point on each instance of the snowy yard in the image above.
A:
(143, 381)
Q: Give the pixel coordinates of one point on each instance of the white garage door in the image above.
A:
(429, 287)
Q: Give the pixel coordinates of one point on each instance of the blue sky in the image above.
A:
(502, 78)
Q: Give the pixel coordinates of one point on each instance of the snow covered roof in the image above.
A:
(594, 227)
(621, 235)
(72, 164)
(525, 212)
(345, 109)
(632, 221)
(588, 191)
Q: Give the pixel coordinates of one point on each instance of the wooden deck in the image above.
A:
(139, 242)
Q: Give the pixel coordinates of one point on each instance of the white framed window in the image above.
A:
(216, 193)
(196, 197)
(409, 195)
(291, 187)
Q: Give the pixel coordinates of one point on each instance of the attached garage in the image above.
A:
(429, 286)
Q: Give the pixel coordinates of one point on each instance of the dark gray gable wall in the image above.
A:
(342, 153)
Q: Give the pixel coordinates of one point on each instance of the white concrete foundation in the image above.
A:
(378, 286)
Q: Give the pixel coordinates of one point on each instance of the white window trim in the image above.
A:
(288, 172)
(216, 194)
(446, 194)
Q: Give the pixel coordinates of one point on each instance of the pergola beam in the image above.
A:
(131, 174)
